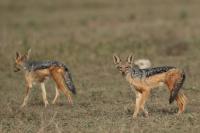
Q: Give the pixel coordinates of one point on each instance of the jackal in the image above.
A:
(40, 71)
(143, 80)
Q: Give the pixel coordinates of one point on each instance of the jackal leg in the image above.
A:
(28, 87)
(181, 100)
(145, 95)
(59, 79)
(56, 96)
(140, 103)
(137, 103)
(66, 92)
(44, 95)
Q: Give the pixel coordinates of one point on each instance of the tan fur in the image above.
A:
(143, 86)
(40, 76)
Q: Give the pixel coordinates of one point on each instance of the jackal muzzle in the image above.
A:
(16, 68)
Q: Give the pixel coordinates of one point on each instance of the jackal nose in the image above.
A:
(123, 73)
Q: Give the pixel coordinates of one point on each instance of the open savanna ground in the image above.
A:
(84, 34)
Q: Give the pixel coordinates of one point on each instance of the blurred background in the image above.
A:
(84, 34)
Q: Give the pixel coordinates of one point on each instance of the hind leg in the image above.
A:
(174, 79)
(67, 94)
(181, 100)
(56, 96)
(180, 106)
(170, 84)
(61, 86)
(59, 79)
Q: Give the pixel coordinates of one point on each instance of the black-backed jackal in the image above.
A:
(143, 80)
(40, 71)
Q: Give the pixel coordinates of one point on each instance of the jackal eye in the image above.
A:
(127, 67)
(119, 67)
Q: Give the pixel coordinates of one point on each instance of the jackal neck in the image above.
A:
(136, 72)
(133, 72)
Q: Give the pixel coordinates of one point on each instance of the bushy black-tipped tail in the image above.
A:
(69, 81)
(177, 86)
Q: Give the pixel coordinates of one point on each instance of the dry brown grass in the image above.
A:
(84, 35)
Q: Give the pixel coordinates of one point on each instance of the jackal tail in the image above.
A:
(177, 86)
(68, 81)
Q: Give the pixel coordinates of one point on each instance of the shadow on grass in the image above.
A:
(169, 111)
(152, 110)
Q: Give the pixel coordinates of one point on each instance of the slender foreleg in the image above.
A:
(144, 97)
(137, 103)
(27, 93)
(44, 95)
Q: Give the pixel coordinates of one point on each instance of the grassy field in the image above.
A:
(84, 34)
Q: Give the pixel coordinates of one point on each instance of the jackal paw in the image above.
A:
(23, 105)
(46, 103)
(178, 113)
(53, 102)
(146, 115)
(134, 116)
(70, 101)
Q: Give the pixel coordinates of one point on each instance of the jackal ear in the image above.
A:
(28, 54)
(17, 55)
(116, 59)
(130, 59)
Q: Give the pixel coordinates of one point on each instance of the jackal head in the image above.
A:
(20, 60)
(123, 66)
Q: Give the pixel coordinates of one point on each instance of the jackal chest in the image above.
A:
(38, 75)
(136, 82)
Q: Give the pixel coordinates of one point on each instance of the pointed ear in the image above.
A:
(116, 59)
(28, 54)
(18, 55)
(130, 59)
